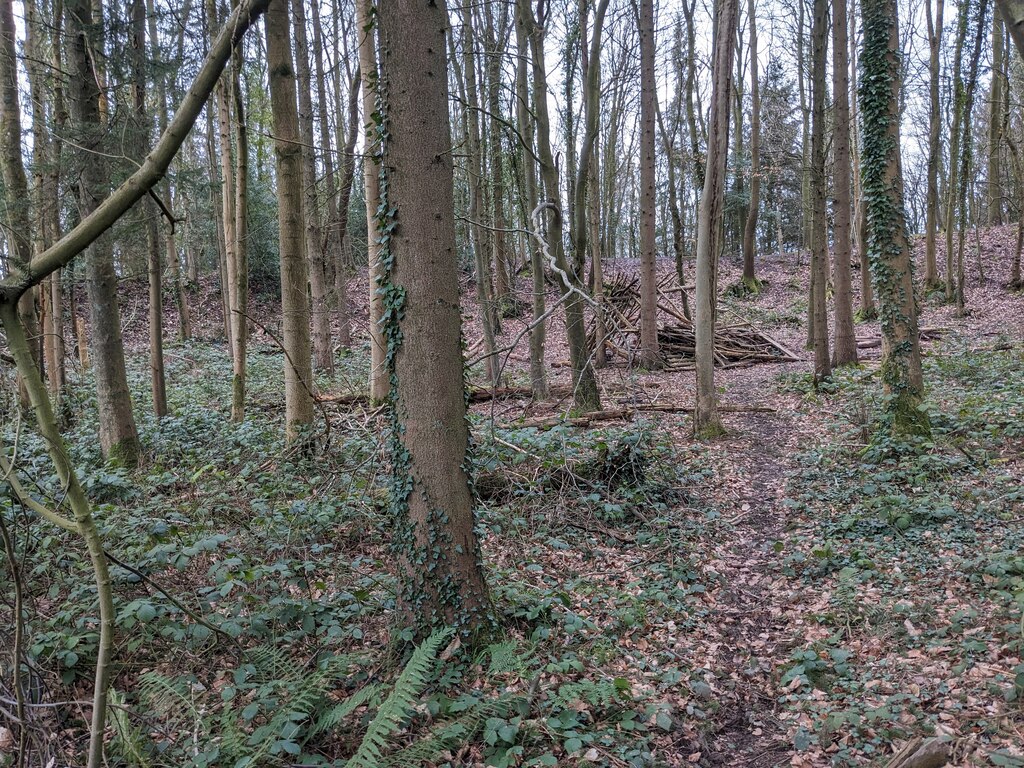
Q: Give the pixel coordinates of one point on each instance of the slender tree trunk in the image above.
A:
(524, 118)
(706, 419)
(597, 264)
(119, 440)
(298, 370)
(750, 229)
(240, 290)
(818, 312)
(846, 338)
(995, 123)
(931, 275)
(170, 246)
(439, 554)
(475, 180)
(650, 355)
(495, 40)
(585, 393)
(158, 386)
(805, 140)
(323, 346)
(867, 295)
(366, 30)
(953, 182)
(888, 243)
(341, 194)
(18, 224)
(45, 152)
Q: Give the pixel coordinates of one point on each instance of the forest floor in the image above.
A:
(803, 591)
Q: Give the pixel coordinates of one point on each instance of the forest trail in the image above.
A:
(761, 450)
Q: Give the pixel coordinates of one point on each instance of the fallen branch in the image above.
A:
(625, 414)
(933, 753)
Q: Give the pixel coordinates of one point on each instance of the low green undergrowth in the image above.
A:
(913, 545)
(256, 603)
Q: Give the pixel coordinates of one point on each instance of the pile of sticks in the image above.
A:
(736, 345)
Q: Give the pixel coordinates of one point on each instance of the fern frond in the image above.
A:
(128, 739)
(447, 736)
(167, 696)
(504, 658)
(330, 719)
(396, 706)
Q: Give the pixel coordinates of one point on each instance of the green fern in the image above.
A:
(447, 736)
(399, 702)
(332, 718)
(129, 741)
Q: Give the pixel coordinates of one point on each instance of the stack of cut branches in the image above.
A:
(736, 345)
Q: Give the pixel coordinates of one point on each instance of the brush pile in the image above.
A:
(736, 346)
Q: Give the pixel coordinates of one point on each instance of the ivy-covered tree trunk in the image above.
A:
(298, 369)
(887, 242)
(431, 494)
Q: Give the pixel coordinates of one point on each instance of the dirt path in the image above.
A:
(760, 450)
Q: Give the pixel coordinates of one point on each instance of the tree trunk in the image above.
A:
(585, 393)
(818, 312)
(706, 419)
(650, 356)
(323, 347)
(18, 222)
(45, 157)
(524, 119)
(475, 182)
(365, 28)
(846, 338)
(170, 246)
(888, 243)
(298, 370)
(439, 554)
(995, 123)
(495, 41)
(119, 440)
(158, 386)
(750, 229)
(341, 187)
(1013, 16)
(931, 276)
(240, 290)
(953, 184)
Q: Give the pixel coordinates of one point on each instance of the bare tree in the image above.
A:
(706, 420)
(649, 353)
(298, 371)
(845, 337)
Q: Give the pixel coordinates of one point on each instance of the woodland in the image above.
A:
(517, 383)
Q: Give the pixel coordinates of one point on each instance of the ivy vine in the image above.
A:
(883, 195)
(431, 592)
